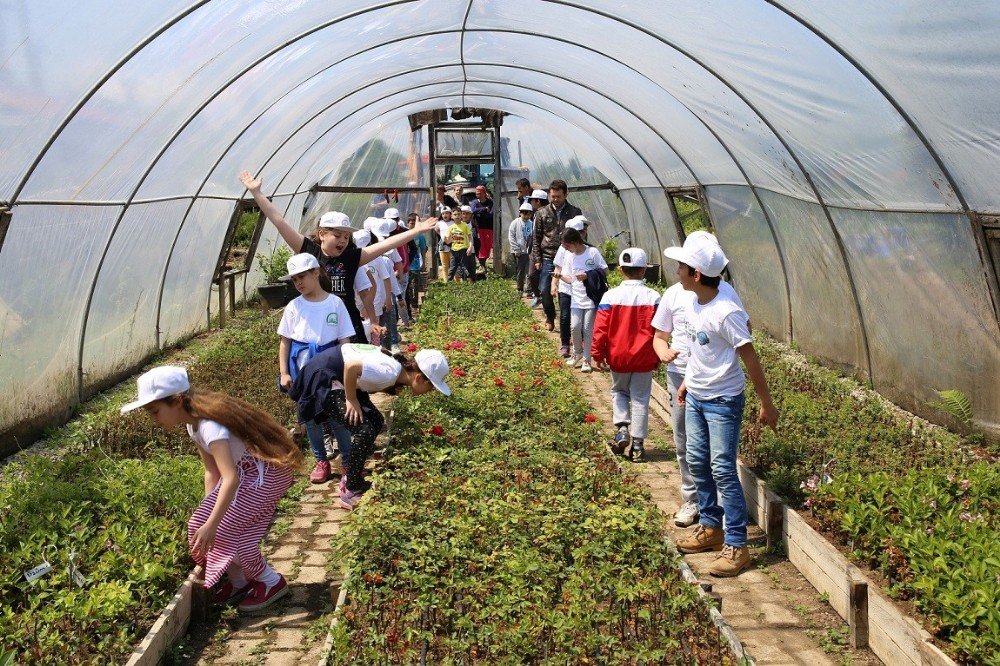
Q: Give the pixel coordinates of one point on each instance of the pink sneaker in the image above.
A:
(342, 487)
(349, 500)
(227, 593)
(260, 597)
(321, 472)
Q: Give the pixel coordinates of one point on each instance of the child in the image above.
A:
(314, 321)
(580, 260)
(623, 337)
(517, 236)
(335, 385)
(416, 265)
(460, 238)
(444, 244)
(389, 270)
(249, 460)
(672, 315)
(333, 246)
(713, 393)
(564, 293)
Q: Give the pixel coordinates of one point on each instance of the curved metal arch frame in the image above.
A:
(605, 15)
(977, 231)
(417, 36)
(798, 162)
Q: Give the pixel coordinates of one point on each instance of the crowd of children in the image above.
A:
(338, 343)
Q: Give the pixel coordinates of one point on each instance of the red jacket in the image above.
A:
(623, 329)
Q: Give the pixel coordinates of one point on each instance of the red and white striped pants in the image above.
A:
(245, 521)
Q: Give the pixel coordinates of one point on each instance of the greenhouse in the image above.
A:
(165, 164)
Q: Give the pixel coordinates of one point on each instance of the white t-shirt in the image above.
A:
(321, 322)
(378, 371)
(574, 264)
(714, 331)
(383, 271)
(391, 259)
(559, 259)
(213, 431)
(442, 228)
(366, 276)
(672, 314)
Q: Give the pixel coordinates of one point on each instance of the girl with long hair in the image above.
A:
(249, 462)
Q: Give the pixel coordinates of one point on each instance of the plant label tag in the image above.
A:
(34, 574)
(75, 575)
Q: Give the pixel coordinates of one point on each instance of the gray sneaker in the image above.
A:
(686, 515)
(638, 453)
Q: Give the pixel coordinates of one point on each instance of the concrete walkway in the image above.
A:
(775, 612)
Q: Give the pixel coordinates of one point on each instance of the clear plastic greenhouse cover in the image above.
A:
(847, 155)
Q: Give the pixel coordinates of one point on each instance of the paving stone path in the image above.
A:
(774, 611)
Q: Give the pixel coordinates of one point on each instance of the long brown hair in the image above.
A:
(262, 435)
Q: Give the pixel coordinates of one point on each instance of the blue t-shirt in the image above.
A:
(417, 263)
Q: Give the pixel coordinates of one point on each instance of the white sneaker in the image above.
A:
(686, 515)
(586, 367)
(572, 361)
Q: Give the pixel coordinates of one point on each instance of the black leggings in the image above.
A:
(362, 435)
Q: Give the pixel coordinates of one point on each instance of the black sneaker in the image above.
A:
(638, 453)
(620, 441)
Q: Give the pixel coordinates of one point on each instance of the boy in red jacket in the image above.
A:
(623, 338)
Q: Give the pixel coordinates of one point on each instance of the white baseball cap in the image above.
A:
(384, 228)
(300, 263)
(371, 223)
(390, 214)
(445, 209)
(466, 209)
(159, 383)
(435, 366)
(707, 258)
(634, 257)
(539, 194)
(362, 238)
(579, 223)
(336, 220)
(526, 208)
(701, 236)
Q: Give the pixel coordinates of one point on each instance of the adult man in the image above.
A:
(523, 186)
(550, 222)
(482, 215)
(444, 200)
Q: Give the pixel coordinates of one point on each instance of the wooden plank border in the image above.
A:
(875, 620)
(172, 623)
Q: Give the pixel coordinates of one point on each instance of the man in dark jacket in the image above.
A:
(550, 222)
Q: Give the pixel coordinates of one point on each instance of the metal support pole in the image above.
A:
(497, 197)
(432, 164)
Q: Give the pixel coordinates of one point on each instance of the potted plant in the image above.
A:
(276, 292)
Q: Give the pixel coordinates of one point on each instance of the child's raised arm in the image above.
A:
(392, 242)
(271, 212)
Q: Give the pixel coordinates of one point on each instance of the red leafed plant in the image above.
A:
(437, 430)
(589, 418)
(458, 372)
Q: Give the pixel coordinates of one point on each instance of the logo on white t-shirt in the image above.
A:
(332, 319)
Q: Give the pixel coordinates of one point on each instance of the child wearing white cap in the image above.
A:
(712, 392)
(460, 240)
(333, 246)
(623, 338)
(444, 243)
(312, 322)
(336, 385)
(581, 261)
(562, 290)
(672, 315)
(517, 236)
(249, 462)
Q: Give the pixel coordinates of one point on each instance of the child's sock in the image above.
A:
(236, 577)
(269, 576)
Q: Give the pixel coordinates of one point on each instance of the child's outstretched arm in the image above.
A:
(271, 212)
(768, 412)
(392, 242)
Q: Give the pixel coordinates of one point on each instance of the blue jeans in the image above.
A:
(545, 287)
(389, 321)
(713, 435)
(314, 431)
(565, 318)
